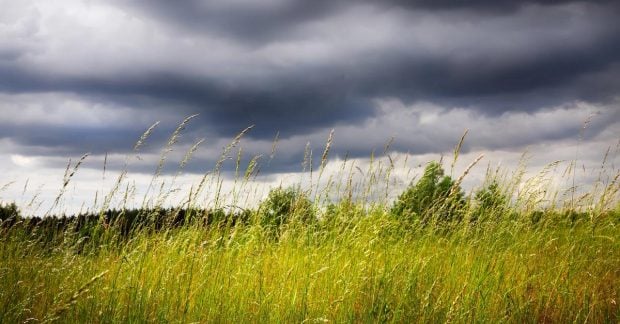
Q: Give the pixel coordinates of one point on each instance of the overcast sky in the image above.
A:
(91, 76)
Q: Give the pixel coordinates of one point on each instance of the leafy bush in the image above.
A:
(492, 203)
(432, 196)
(286, 205)
(8, 211)
(342, 213)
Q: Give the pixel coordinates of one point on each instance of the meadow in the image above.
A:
(513, 250)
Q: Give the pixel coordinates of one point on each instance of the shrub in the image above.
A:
(431, 196)
(9, 212)
(342, 213)
(284, 206)
(492, 202)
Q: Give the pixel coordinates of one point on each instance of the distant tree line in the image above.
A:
(434, 199)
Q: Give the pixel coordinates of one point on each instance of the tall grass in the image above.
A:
(537, 258)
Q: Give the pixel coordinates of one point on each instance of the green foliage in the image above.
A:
(492, 203)
(491, 197)
(341, 214)
(8, 211)
(283, 206)
(432, 196)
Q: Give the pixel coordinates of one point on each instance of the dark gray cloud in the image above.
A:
(253, 21)
(488, 5)
(287, 106)
(304, 67)
(259, 21)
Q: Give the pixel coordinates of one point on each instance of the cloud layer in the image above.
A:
(90, 76)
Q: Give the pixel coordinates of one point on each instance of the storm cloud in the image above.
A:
(91, 76)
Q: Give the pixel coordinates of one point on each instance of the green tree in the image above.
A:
(491, 197)
(9, 211)
(342, 213)
(492, 202)
(285, 205)
(432, 196)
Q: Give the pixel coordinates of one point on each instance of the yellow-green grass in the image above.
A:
(372, 268)
(542, 255)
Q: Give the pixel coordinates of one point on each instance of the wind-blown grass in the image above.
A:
(358, 262)
(374, 269)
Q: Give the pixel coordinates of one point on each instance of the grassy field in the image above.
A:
(373, 269)
(293, 259)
